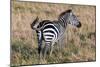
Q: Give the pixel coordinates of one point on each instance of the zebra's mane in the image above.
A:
(63, 13)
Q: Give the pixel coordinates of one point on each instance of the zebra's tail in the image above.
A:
(35, 24)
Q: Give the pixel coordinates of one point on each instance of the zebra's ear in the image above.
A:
(69, 11)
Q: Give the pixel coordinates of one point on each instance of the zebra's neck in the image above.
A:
(63, 21)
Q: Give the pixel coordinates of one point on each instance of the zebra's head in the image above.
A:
(73, 20)
(70, 18)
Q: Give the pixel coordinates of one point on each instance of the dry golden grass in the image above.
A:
(80, 43)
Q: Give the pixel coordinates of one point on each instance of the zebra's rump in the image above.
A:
(50, 32)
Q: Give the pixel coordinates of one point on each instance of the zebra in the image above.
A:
(52, 31)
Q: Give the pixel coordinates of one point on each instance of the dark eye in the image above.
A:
(77, 16)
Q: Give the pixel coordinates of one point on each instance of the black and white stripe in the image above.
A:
(52, 31)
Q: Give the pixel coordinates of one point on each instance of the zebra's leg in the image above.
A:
(60, 46)
(46, 49)
(62, 43)
(40, 49)
(51, 48)
(39, 38)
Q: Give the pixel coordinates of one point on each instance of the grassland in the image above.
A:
(79, 43)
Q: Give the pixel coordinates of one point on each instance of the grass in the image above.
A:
(79, 44)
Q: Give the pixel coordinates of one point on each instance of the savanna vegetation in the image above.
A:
(79, 43)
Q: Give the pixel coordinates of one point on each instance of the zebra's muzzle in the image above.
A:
(79, 25)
